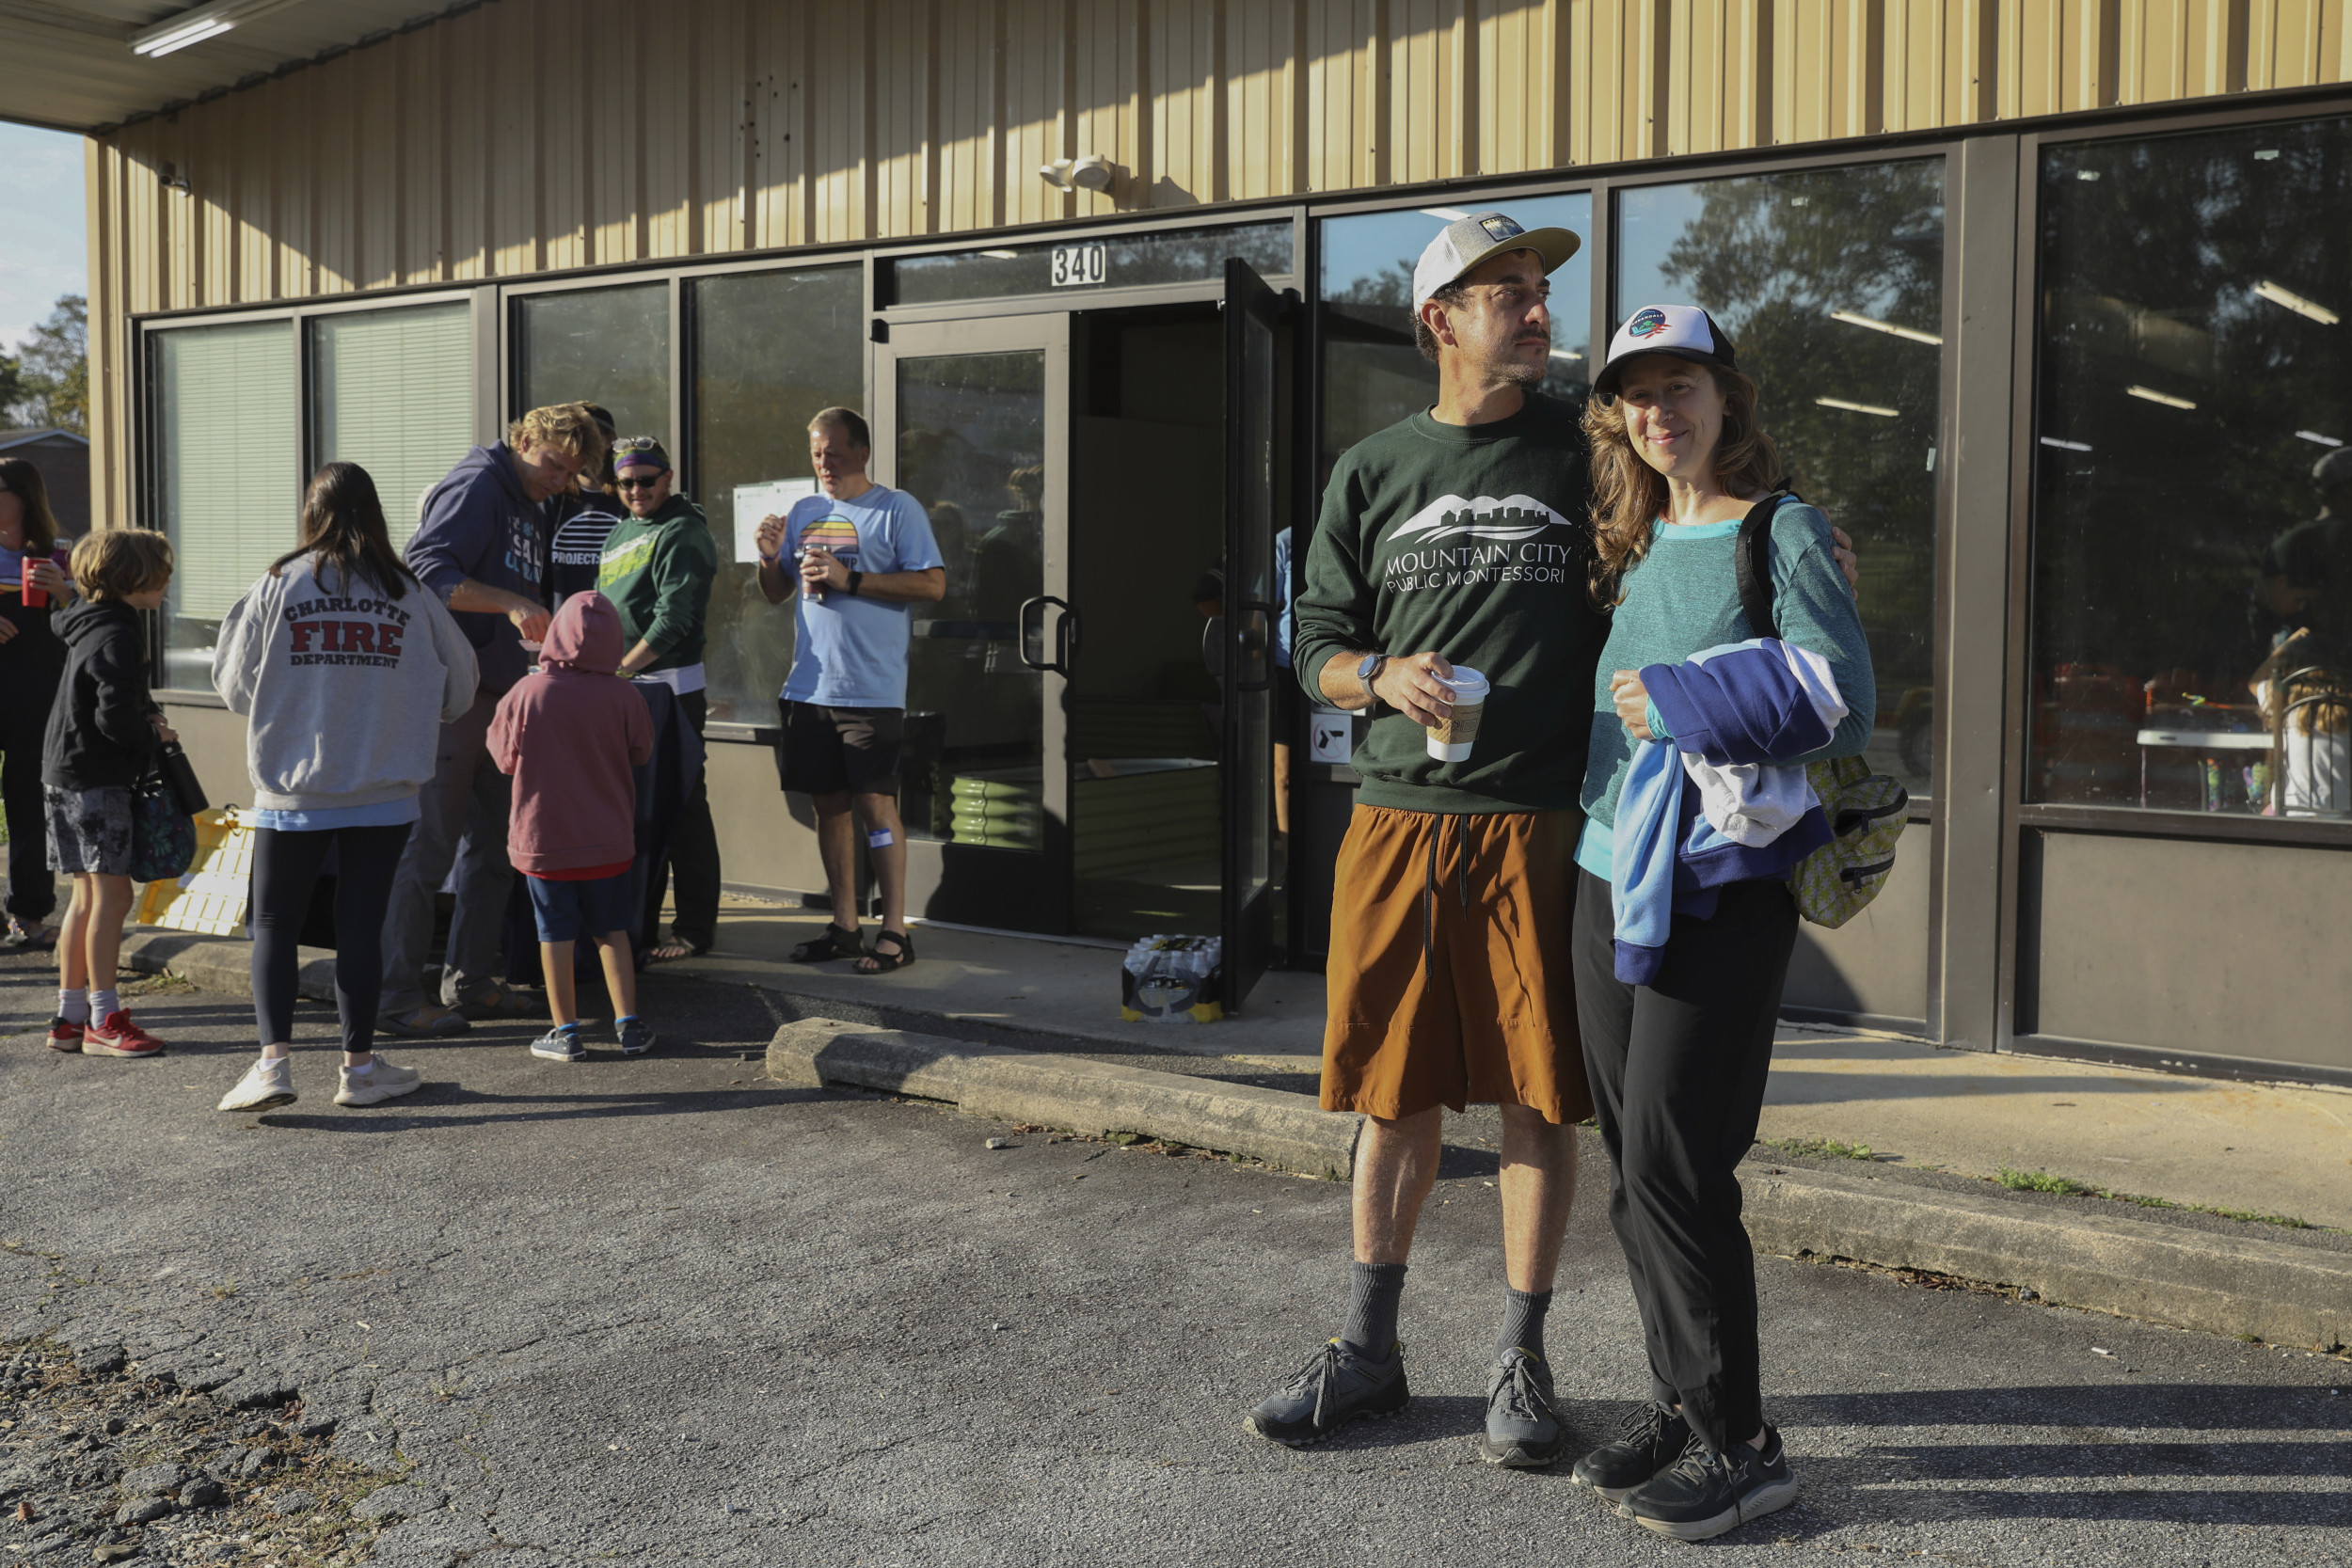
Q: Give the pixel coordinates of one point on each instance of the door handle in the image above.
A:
(1257, 645)
(1065, 636)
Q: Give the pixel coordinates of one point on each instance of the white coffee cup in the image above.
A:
(1451, 740)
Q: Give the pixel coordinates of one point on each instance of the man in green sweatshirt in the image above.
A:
(657, 569)
(1456, 539)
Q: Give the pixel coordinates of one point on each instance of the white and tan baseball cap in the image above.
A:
(1466, 241)
(1681, 331)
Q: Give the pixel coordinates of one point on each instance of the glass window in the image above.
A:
(394, 392)
(770, 349)
(605, 346)
(1106, 262)
(1831, 284)
(2192, 553)
(228, 472)
(1373, 376)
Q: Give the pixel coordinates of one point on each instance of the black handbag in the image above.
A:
(163, 837)
(179, 774)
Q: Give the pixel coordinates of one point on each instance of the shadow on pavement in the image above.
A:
(2091, 1414)
(432, 1097)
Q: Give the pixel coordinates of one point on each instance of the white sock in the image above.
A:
(363, 1068)
(104, 1002)
(270, 1062)
(73, 1006)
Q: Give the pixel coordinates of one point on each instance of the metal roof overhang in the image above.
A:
(69, 64)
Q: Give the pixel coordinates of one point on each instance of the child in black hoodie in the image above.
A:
(103, 733)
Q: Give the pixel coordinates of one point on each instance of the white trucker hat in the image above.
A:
(1684, 331)
(1466, 241)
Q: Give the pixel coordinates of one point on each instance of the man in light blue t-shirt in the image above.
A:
(864, 557)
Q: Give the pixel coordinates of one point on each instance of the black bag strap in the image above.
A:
(1753, 564)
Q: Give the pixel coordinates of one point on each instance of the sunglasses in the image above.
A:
(640, 484)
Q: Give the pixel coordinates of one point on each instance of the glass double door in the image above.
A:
(1088, 736)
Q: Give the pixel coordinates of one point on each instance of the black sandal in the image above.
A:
(835, 944)
(884, 962)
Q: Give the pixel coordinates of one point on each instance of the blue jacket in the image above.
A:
(1757, 703)
(479, 524)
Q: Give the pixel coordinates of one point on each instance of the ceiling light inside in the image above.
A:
(1858, 408)
(2296, 302)
(1002, 255)
(175, 33)
(2266, 154)
(1565, 354)
(2315, 436)
(1850, 319)
(2065, 446)
(2152, 395)
(1452, 215)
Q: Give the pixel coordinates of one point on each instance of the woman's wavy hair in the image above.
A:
(22, 481)
(343, 524)
(1630, 496)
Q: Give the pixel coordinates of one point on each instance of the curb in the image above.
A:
(2220, 1283)
(1289, 1132)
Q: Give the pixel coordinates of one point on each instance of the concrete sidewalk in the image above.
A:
(2259, 1149)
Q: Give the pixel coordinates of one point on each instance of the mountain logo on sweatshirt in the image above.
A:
(1514, 517)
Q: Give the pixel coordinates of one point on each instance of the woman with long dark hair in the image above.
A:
(32, 587)
(345, 669)
(1697, 810)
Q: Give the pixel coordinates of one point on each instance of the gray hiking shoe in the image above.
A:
(636, 1039)
(1523, 1430)
(1336, 1385)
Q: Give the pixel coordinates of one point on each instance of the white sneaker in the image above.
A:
(265, 1084)
(382, 1081)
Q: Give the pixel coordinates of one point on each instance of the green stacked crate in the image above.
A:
(1001, 809)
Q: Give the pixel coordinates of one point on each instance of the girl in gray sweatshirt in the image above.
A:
(345, 668)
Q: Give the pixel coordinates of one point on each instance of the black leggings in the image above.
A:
(285, 869)
(1678, 1070)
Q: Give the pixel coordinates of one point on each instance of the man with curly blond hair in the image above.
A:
(481, 545)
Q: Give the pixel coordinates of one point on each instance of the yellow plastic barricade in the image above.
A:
(211, 896)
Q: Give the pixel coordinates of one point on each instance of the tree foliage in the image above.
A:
(47, 385)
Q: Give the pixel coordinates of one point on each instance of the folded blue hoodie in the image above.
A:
(1752, 705)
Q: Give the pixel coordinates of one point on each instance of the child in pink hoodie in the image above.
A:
(570, 733)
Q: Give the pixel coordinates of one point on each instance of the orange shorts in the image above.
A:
(1449, 978)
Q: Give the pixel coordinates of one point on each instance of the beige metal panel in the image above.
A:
(971, 144)
(611, 129)
(580, 70)
(723, 80)
(109, 453)
(1181, 62)
(671, 94)
(1109, 115)
(468, 150)
(1427, 89)
(1343, 95)
(1515, 87)
(905, 173)
(1264, 111)
(1037, 116)
(841, 137)
(778, 192)
(515, 147)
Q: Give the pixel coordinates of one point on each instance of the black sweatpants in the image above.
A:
(24, 716)
(693, 855)
(1678, 1072)
(285, 867)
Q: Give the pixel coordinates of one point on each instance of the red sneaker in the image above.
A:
(118, 1037)
(64, 1035)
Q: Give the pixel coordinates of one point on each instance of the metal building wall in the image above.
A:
(531, 136)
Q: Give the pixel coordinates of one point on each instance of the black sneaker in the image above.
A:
(1337, 1386)
(1702, 1494)
(1522, 1428)
(1653, 1439)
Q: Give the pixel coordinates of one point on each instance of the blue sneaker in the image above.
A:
(1524, 1429)
(560, 1044)
(636, 1039)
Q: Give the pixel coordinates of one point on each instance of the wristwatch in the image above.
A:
(1368, 672)
(856, 578)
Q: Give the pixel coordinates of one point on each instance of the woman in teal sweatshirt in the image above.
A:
(1677, 1064)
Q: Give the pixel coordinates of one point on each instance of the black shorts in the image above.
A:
(826, 751)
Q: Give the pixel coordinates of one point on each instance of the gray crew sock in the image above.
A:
(1523, 1323)
(1371, 1308)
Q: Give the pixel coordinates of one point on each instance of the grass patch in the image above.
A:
(1822, 1148)
(2042, 1182)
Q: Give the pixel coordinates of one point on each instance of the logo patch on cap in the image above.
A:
(1648, 322)
(1501, 228)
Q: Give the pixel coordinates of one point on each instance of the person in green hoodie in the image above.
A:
(657, 568)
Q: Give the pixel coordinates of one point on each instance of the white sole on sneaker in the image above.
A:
(262, 1103)
(91, 1048)
(1764, 1499)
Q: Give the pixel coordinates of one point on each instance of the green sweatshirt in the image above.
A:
(1469, 541)
(657, 571)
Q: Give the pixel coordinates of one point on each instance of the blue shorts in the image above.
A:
(568, 911)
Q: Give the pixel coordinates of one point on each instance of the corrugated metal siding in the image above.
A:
(536, 134)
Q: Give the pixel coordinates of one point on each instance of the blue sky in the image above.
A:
(42, 253)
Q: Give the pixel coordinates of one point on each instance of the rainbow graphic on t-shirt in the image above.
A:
(836, 534)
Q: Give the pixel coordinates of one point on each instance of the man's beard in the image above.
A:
(1517, 375)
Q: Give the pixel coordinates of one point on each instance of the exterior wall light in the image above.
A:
(1092, 172)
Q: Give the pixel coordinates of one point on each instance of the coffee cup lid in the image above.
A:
(1465, 680)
